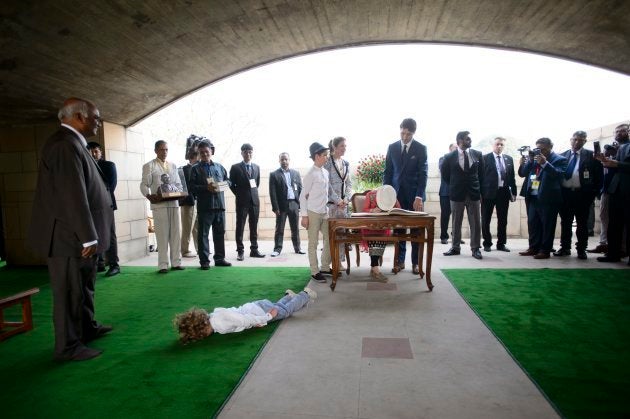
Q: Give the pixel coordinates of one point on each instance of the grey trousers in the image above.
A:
(473, 210)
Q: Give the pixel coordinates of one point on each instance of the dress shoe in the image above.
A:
(528, 252)
(451, 252)
(562, 252)
(542, 255)
(444, 241)
(415, 270)
(113, 271)
(300, 252)
(163, 271)
(477, 254)
(99, 333)
(177, 268)
(83, 355)
(400, 266)
(487, 249)
(240, 256)
(329, 272)
(274, 254)
(608, 259)
(100, 268)
(222, 262)
(462, 242)
(582, 254)
(256, 254)
(205, 266)
(600, 248)
(189, 255)
(502, 248)
(318, 277)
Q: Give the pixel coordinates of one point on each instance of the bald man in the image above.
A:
(72, 215)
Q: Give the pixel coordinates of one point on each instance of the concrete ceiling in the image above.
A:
(133, 57)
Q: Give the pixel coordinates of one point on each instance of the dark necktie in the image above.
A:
(571, 167)
(466, 162)
(249, 171)
(404, 153)
(501, 168)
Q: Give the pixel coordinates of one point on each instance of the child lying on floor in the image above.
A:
(196, 323)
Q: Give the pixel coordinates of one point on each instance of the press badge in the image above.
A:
(252, 183)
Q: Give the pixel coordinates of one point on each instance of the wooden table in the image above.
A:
(348, 230)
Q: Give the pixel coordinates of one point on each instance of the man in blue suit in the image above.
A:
(406, 171)
(544, 171)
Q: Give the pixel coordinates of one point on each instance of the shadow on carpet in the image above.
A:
(144, 371)
(569, 329)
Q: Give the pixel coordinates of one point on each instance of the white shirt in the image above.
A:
(151, 180)
(237, 319)
(314, 195)
(287, 180)
(574, 181)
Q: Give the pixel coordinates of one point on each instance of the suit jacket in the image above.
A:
(278, 189)
(590, 185)
(408, 176)
(620, 182)
(443, 184)
(550, 177)
(198, 185)
(490, 182)
(110, 177)
(72, 205)
(239, 184)
(462, 183)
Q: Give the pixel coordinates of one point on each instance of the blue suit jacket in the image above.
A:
(408, 177)
(549, 190)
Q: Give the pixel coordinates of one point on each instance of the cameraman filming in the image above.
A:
(544, 171)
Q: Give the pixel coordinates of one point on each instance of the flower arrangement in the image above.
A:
(370, 172)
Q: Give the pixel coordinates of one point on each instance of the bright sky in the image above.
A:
(364, 93)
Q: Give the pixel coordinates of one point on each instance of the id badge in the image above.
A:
(586, 174)
(295, 187)
(535, 185)
(252, 183)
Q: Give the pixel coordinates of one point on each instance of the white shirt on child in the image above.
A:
(237, 319)
(314, 196)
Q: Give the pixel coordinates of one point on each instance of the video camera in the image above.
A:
(531, 152)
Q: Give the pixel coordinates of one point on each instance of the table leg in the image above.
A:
(422, 235)
(429, 255)
(334, 255)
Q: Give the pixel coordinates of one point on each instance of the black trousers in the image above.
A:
(207, 219)
(445, 216)
(293, 214)
(502, 203)
(72, 282)
(618, 223)
(541, 223)
(575, 204)
(111, 254)
(242, 214)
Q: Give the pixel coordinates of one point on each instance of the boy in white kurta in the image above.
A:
(196, 323)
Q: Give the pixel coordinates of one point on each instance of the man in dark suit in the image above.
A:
(619, 195)
(406, 171)
(463, 170)
(285, 186)
(110, 177)
(445, 201)
(208, 181)
(544, 171)
(498, 188)
(581, 183)
(244, 182)
(72, 217)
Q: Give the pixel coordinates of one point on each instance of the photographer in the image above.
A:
(543, 170)
(581, 183)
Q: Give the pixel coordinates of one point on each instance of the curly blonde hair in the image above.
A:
(192, 325)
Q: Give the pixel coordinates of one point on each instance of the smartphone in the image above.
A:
(597, 148)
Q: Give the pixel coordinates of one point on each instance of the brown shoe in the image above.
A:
(542, 255)
(528, 252)
(601, 248)
(399, 267)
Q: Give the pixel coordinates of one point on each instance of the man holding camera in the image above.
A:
(544, 171)
(580, 184)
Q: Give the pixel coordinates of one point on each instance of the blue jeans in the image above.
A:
(286, 306)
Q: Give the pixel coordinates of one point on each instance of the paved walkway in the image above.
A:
(389, 351)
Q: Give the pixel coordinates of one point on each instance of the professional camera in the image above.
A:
(612, 147)
(534, 152)
(523, 150)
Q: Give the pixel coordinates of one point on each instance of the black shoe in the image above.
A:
(240, 256)
(163, 271)
(300, 252)
(100, 268)
(562, 252)
(177, 268)
(582, 254)
(113, 271)
(329, 273)
(462, 242)
(487, 249)
(222, 262)
(502, 248)
(608, 259)
(85, 354)
(256, 254)
(477, 254)
(99, 333)
(205, 267)
(451, 252)
(591, 233)
(318, 277)
(444, 241)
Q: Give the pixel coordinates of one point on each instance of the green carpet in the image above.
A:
(569, 329)
(144, 371)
